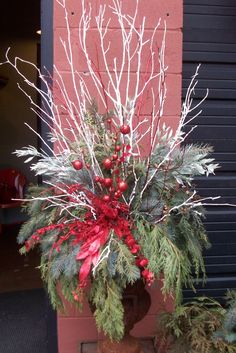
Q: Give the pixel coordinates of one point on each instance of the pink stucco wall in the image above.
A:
(74, 327)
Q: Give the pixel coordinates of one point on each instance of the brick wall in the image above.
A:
(75, 327)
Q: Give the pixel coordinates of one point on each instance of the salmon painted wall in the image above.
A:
(74, 328)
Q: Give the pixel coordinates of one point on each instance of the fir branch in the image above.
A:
(106, 296)
(51, 284)
(64, 263)
(171, 257)
(30, 227)
(125, 266)
(68, 287)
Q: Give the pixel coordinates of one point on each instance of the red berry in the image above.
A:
(135, 249)
(117, 171)
(27, 245)
(106, 198)
(109, 120)
(77, 164)
(76, 297)
(117, 148)
(107, 163)
(97, 179)
(143, 262)
(117, 194)
(107, 182)
(149, 276)
(130, 241)
(88, 166)
(145, 273)
(115, 157)
(122, 185)
(125, 129)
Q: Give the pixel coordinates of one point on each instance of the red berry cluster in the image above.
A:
(141, 262)
(146, 273)
(36, 237)
(112, 163)
(108, 183)
(115, 185)
(148, 276)
(132, 244)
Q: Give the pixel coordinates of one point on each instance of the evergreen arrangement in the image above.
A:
(87, 227)
(200, 326)
(118, 202)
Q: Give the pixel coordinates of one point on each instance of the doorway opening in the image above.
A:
(19, 26)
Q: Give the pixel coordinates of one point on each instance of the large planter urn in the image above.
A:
(136, 302)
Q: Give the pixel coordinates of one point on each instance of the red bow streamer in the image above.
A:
(109, 216)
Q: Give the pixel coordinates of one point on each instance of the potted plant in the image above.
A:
(202, 325)
(117, 205)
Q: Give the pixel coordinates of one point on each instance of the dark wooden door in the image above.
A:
(210, 39)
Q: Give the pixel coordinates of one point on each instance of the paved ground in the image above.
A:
(23, 326)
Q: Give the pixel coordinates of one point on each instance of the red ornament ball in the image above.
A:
(107, 182)
(115, 157)
(122, 185)
(106, 198)
(125, 129)
(77, 164)
(118, 148)
(107, 163)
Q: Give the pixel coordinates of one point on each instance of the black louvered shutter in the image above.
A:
(210, 39)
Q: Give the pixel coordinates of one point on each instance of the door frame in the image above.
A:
(46, 61)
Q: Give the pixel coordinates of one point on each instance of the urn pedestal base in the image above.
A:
(136, 303)
(77, 332)
(146, 344)
(128, 344)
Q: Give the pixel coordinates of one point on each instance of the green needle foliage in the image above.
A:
(174, 249)
(197, 327)
(227, 332)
